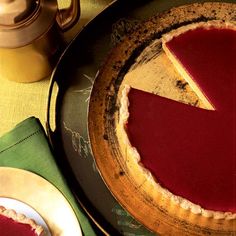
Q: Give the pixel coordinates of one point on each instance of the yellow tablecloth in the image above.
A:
(19, 101)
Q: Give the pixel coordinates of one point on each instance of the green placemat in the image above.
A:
(26, 147)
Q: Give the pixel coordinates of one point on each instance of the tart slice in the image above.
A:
(12, 223)
(189, 151)
(204, 55)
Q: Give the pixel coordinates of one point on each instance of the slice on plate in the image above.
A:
(189, 151)
(12, 223)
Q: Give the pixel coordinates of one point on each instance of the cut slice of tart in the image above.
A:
(204, 55)
(190, 151)
(12, 223)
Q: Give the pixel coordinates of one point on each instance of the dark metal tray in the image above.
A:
(74, 75)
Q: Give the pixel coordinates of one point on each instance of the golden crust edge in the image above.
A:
(21, 218)
(219, 24)
(133, 153)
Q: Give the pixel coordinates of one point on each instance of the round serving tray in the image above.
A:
(75, 74)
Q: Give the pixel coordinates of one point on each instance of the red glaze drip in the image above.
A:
(9, 227)
(191, 151)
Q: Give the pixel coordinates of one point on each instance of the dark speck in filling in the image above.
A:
(121, 173)
(180, 84)
(105, 136)
(114, 67)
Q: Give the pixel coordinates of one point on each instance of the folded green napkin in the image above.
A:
(26, 147)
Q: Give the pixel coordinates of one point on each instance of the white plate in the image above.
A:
(35, 197)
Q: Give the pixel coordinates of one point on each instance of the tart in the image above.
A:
(145, 86)
(190, 152)
(12, 223)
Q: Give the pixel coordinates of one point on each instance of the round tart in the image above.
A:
(12, 223)
(162, 121)
(186, 149)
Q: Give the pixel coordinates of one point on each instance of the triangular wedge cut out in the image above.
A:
(191, 151)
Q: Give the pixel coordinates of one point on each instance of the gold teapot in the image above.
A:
(31, 37)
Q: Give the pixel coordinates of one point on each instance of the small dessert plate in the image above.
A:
(27, 190)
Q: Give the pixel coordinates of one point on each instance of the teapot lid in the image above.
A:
(22, 21)
(13, 12)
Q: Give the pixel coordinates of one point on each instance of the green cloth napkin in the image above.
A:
(26, 147)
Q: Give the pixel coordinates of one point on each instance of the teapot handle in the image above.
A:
(67, 17)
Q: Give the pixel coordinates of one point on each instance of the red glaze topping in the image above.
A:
(209, 56)
(191, 151)
(9, 227)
